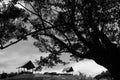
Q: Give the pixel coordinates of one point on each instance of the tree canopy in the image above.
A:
(84, 28)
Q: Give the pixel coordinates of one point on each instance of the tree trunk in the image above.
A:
(110, 60)
(114, 68)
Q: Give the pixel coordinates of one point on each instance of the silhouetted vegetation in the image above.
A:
(3, 75)
(104, 75)
(7, 75)
(83, 28)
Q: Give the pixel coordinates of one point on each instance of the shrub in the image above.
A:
(3, 75)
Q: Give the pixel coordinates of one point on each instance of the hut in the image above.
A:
(68, 70)
(26, 67)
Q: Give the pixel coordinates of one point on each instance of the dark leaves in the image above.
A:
(11, 13)
(88, 17)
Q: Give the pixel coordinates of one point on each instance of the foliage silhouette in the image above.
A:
(104, 75)
(3, 75)
(84, 28)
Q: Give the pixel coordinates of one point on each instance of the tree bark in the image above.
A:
(104, 52)
(110, 59)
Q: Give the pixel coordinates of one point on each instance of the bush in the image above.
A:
(3, 75)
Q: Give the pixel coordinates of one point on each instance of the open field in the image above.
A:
(44, 77)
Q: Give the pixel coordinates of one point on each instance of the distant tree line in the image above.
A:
(6, 75)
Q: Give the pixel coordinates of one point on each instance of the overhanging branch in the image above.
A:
(75, 53)
(22, 37)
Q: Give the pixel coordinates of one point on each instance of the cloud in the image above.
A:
(89, 67)
(3, 65)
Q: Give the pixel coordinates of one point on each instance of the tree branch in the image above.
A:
(65, 37)
(36, 14)
(75, 53)
(80, 37)
(27, 9)
(3, 47)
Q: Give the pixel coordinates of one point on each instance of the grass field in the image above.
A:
(48, 77)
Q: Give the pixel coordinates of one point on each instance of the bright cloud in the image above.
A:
(88, 67)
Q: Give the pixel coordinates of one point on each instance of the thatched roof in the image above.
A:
(39, 68)
(28, 65)
(68, 69)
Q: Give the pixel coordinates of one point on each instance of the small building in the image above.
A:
(68, 70)
(27, 67)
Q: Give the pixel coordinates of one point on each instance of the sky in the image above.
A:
(18, 54)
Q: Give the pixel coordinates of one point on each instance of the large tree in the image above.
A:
(82, 28)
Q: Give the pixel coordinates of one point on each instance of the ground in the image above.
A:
(46, 77)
